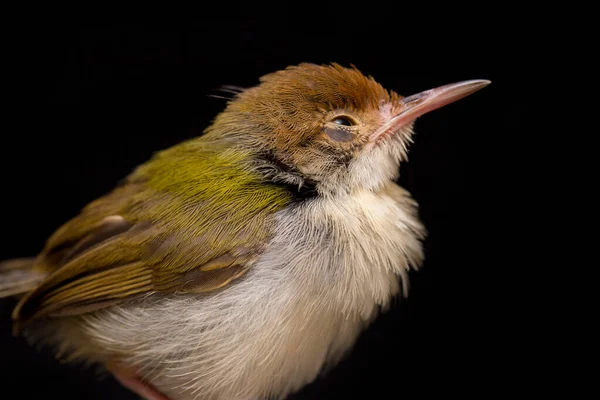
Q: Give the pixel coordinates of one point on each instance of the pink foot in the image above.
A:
(133, 382)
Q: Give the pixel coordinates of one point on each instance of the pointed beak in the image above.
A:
(416, 105)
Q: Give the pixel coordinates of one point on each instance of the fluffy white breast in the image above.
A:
(331, 264)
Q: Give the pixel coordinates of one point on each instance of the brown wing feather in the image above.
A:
(18, 276)
(101, 272)
(94, 289)
(72, 237)
(97, 260)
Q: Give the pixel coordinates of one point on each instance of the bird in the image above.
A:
(241, 263)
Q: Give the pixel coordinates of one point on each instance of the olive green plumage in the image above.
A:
(191, 219)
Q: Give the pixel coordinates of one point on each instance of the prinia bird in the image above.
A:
(241, 263)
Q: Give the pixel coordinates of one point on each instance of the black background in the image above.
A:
(89, 98)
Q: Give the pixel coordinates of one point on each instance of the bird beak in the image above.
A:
(418, 104)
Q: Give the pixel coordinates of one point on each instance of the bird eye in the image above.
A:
(343, 120)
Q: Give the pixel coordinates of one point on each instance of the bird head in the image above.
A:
(328, 127)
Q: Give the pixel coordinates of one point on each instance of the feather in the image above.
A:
(18, 276)
(154, 234)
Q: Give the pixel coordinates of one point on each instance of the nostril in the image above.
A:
(414, 97)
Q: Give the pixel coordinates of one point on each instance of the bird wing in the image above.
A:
(139, 240)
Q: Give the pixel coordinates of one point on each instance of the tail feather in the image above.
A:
(18, 276)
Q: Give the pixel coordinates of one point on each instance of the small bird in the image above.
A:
(241, 263)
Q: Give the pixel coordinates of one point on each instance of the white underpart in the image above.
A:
(332, 264)
(375, 168)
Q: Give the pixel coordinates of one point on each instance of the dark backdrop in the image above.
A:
(88, 99)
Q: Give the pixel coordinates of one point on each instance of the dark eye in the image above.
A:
(343, 120)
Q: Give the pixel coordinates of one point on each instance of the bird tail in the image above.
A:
(18, 276)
